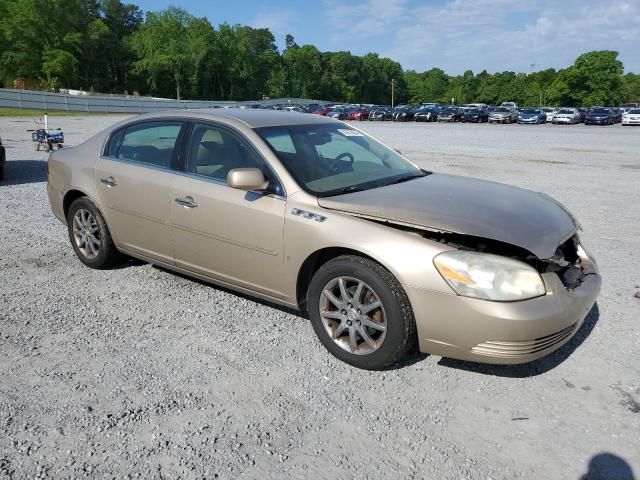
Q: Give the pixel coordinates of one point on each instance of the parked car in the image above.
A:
(3, 159)
(532, 115)
(475, 115)
(503, 115)
(323, 111)
(358, 113)
(566, 116)
(426, 114)
(509, 105)
(617, 114)
(311, 107)
(338, 113)
(632, 117)
(583, 114)
(314, 215)
(381, 114)
(550, 112)
(599, 116)
(404, 114)
(450, 114)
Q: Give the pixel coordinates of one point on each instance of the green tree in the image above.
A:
(631, 88)
(427, 86)
(303, 71)
(163, 46)
(594, 79)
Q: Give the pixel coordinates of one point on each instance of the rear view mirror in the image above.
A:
(247, 179)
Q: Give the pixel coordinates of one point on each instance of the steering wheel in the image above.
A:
(336, 162)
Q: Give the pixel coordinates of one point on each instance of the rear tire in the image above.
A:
(342, 323)
(90, 236)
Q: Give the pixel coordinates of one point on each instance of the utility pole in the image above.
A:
(393, 84)
(540, 97)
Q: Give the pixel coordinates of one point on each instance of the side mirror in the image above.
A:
(246, 179)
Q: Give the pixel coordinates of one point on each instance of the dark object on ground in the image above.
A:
(3, 159)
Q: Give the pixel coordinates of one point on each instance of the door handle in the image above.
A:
(188, 202)
(109, 182)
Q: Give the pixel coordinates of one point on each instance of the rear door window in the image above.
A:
(151, 143)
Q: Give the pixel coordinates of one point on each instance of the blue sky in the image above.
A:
(454, 35)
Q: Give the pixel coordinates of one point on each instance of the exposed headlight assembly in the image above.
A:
(489, 277)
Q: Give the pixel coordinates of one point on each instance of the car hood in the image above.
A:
(446, 203)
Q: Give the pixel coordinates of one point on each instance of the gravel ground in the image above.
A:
(144, 373)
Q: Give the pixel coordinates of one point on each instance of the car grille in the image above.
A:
(522, 349)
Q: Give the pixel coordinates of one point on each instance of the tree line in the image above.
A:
(109, 46)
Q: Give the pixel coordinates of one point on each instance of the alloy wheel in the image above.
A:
(353, 315)
(86, 233)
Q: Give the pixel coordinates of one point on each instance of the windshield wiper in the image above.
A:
(406, 178)
(358, 188)
(349, 189)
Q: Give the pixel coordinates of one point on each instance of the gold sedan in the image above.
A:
(308, 212)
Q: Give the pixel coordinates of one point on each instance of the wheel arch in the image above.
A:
(70, 197)
(314, 261)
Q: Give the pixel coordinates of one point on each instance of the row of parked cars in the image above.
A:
(508, 112)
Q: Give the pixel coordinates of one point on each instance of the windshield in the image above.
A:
(473, 111)
(565, 112)
(599, 110)
(502, 109)
(635, 111)
(330, 159)
(531, 112)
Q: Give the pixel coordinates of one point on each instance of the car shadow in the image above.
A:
(537, 367)
(530, 369)
(230, 291)
(19, 172)
(408, 360)
(605, 466)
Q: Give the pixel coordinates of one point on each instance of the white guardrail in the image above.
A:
(48, 101)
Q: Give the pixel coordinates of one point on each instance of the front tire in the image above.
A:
(361, 313)
(90, 236)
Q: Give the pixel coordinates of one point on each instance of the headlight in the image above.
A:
(489, 277)
(587, 258)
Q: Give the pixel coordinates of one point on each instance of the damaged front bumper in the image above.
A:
(506, 332)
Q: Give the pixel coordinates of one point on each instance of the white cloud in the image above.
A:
(366, 19)
(489, 34)
(278, 21)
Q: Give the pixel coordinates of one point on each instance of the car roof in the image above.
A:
(251, 118)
